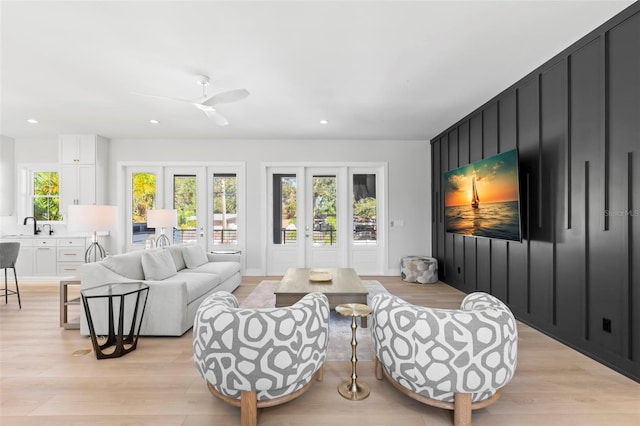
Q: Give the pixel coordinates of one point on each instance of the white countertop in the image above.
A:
(42, 235)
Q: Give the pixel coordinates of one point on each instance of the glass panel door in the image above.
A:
(143, 198)
(185, 192)
(326, 216)
(185, 198)
(365, 209)
(225, 209)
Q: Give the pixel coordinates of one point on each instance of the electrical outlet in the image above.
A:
(459, 270)
(606, 325)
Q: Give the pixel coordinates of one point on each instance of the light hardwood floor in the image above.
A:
(48, 376)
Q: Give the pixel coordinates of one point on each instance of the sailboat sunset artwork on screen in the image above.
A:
(482, 199)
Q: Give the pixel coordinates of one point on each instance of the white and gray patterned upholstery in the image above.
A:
(272, 351)
(437, 353)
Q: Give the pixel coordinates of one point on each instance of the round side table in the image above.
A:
(350, 388)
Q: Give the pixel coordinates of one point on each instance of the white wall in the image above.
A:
(7, 170)
(409, 179)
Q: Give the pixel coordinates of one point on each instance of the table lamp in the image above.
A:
(92, 218)
(162, 218)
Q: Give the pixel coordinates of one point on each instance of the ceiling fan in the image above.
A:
(206, 103)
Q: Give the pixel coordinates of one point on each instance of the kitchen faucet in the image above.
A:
(50, 228)
(35, 224)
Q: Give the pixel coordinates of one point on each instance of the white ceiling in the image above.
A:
(374, 69)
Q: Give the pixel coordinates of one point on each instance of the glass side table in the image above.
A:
(129, 299)
(350, 388)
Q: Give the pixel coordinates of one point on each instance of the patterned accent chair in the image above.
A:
(454, 359)
(260, 357)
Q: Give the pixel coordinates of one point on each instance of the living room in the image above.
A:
(406, 146)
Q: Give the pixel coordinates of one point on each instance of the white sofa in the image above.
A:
(180, 277)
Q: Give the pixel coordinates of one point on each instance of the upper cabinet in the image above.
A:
(83, 170)
(78, 149)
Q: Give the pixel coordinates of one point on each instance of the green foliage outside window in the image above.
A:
(144, 195)
(289, 198)
(224, 194)
(46, 196)
(184, 201)
(364, 210)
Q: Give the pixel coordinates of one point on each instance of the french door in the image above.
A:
(209, 201)
(325, 217)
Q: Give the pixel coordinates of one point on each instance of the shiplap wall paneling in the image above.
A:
(553, 127)
(497, 249)
(467, 278)
(451, 240)
(568, 233)
(585, 122)
(576, 123)
(439, 233)
(623, 74)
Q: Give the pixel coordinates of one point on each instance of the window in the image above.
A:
(285, 208)
(225, 215)
(46, 196)
(143, 189)
(325, 226)
(364, 209)
(185, 202)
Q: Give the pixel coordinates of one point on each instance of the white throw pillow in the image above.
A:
(194, 256)
(158, 265)
(127, 264)
(176, 252)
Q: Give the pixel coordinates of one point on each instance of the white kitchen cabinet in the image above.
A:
(26, 258)
(70, 254)
(83, 170)
(77, 149)
(45, 257)
(49, 256)
(77, 186)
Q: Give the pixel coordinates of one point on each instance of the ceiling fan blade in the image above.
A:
(227, 97)
(163, 97)
(215, 116)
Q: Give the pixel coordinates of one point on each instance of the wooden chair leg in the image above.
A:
(248, 408)
(378, 367)
(462, 409)
(320, 373)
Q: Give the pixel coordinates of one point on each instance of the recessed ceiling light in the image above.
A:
(32, 121)
(154, 122)
(324, 121)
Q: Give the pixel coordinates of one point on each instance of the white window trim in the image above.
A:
(24, 194)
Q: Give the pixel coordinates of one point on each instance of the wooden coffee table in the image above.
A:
(345, 287)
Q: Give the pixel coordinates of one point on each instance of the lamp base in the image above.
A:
(162, 241)
(95, 253)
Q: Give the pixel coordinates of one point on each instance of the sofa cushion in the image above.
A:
(194, 256)
(176, 253)
(158, 265)
(198, 284)
(127, 264)
(223, 269)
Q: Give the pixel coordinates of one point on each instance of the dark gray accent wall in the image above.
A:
(576, 123)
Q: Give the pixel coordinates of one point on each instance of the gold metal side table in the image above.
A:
(350, 388)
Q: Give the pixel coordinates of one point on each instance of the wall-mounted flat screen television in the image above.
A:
(482, 199)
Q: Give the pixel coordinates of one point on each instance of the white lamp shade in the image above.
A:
(162, 218)
(91, 218)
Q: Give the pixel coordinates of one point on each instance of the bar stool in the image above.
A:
(8, 256)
